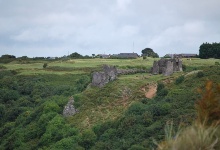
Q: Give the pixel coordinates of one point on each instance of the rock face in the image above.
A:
(109, 73)
(69, 109)
(166, 66)
(155, 68)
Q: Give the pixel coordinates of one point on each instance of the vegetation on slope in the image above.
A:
(115, 117)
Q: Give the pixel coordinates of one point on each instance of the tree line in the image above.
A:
(208, 50)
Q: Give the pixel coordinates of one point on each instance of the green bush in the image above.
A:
(217, 63)
(145, 100)
(179, 79)
(160, 86)
(2, 67)
(184, 67)
(136, 109)
(137, 147)
(200, 74)
(88, 139)
(162, 92)
(45, 65)
(4, 73)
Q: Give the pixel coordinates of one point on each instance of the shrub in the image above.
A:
(200, 74)
(136, 109)
(160, 86)
(2, 67)
(45, 65)
(184, 67)
(217, 63)
(88, 139)
(162, 92)
(145, 100)
(137, 147)
(179, 79)
(144, 57)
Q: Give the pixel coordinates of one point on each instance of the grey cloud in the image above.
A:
(53, 27)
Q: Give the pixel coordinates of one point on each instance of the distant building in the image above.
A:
(103, 56)
(180, 55)
(51, 58)
(188, 55)
(168, 56)
(127, 55)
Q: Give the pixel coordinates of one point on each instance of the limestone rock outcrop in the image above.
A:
(69, 109)
(166, 66)
(109, 73)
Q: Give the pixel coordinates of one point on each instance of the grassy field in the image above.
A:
(75, 66)
(78, 66)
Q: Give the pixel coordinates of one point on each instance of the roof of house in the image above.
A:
(188, 54)
(128, 55)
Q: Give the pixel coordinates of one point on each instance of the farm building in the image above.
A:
(103, 56)
(127, 55)
(181, 55)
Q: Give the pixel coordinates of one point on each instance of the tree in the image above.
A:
(93, 55)
(207, 50)
(149, 53)
(45, 65)
(7, 56)
(75, 55)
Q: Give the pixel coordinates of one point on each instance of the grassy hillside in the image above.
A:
(118, 116)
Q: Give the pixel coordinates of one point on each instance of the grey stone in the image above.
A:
(109, 73)
(155, 68)
(69, 109)
(168, 70)
(166, 66)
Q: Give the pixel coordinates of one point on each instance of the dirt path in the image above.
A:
(151, 91)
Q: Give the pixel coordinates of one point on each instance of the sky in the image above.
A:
(54, 28)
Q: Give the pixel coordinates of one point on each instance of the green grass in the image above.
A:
(101, 105)
(78, 66)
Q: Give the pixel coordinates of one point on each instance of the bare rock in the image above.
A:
(168, 70)
(166, 66)
(109, 73)
(69, 109)
(155, 68)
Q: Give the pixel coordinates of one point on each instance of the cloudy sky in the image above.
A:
(58, 27)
